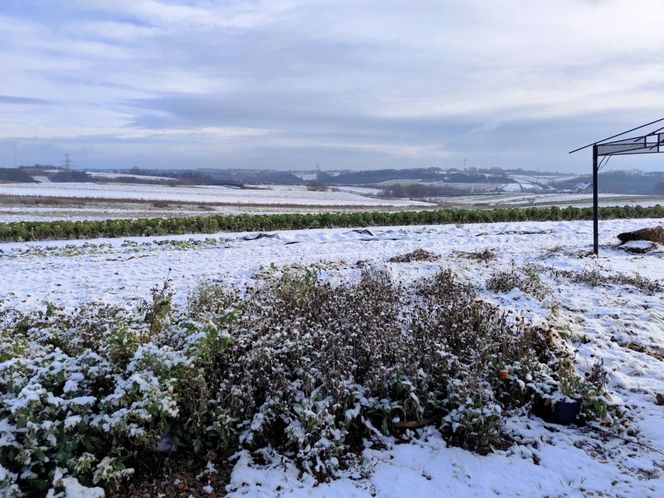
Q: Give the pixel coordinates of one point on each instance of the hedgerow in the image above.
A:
(299, 365)
(53, 230)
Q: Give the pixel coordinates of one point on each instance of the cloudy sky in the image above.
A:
(288, 84)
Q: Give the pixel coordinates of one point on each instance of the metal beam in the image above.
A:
(595, 203)
(617, 135)
(649, 143)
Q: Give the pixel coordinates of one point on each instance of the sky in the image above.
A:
(338, 84)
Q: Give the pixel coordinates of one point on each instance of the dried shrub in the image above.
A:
(296, 364)
(526, 279)
(483, 256)
(211, 299)
(416, 255)
(158, 310)
(594, 277)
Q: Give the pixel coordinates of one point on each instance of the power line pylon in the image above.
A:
(68, 165)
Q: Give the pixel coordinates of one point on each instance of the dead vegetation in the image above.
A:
(416, 255)
(594, 277)
(639, 348)
(483, 256)
(313, 371)
(527, 279)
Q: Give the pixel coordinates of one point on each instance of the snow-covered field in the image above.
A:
(293, 195)
(115, 176)
(619, 324)
(550, 199)
(91, 201)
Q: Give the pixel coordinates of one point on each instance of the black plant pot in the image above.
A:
(560, 412)
(566, 412)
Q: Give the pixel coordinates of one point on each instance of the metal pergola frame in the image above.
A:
(650, 143)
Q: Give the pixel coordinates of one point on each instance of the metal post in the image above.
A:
(595, 204)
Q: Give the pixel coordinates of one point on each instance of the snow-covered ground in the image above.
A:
(126, 269)
(291, 195)
(515, 198)
(621, 325)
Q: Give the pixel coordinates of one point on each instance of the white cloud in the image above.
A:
(363, 76)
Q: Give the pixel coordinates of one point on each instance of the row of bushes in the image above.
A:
(54, 230)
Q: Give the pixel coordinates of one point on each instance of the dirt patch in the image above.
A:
(416, 255)
(654, 234)
(177, 477)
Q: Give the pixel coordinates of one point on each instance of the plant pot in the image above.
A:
(560, 412)
(566, 412)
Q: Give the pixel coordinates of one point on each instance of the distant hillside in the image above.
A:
(256, 176)
(620, 182)
(416, 182)
(376, 177)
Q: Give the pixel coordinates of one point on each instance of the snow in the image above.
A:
(619, 324)
(74, 489)
(638, 245)
(511, 187)
(117, 270)
(427, 467)
(512, 198)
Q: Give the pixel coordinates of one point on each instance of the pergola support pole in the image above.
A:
(645, 143)
(595, 204)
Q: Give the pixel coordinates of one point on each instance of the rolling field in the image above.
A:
(92, 201)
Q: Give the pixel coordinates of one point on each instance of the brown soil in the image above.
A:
(179, 478)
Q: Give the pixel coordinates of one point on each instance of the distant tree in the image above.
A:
(15, 175)
(70, 176)
(418, 190)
